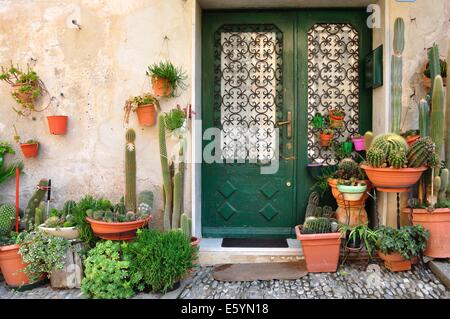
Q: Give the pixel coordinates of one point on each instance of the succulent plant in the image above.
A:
(7, 218)
(397, 159)
(376, 157)
(421, 152)
(317, 225)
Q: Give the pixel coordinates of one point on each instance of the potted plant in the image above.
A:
(146, 107)
(57, 124)
(397, 247)
(336, 117)
(166, 78)
(392, 166)
(174, 122)
(320, 240)
(317, 120)
(347, 146)
(326, 136)
(11, 261)
(7, 171)
(160, 259)
(411, 136)
(30, 148)
(359, 237)
(62, 223)
(351, 212)
(358, 142)
(26, 87)
(352, 189)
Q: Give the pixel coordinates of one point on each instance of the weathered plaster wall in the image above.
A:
(91, 72)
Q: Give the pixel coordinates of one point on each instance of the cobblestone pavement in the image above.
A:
(349, 282)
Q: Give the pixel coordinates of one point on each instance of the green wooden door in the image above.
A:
(255, 94)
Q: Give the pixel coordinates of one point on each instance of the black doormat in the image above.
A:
(255, 242)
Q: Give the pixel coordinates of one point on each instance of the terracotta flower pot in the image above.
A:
(24, 97)
(359, 143)
(437, 223)
(161, 86)
(321, 251)
(57, 124)
(393, 180)
(411, 139)
(117, 231)
(195, 241)
(29, 150)
(395, 262)
(336, 121)
(12, 266)
(325, 139)
(146, 114)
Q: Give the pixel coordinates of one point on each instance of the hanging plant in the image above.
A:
(166, 78)
(146, 106)
(30, 148)
(26, 88)
(336, 118)
(326, 136)
(317, 121)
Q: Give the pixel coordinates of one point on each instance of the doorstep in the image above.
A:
(212, 253)
(441, 268)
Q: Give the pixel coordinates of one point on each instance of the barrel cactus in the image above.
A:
(318, 225)
(421, 152)
(397, 159)
(376, 157)
(7, 218)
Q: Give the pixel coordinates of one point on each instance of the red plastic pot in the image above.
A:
(29, 150)
(146, 115)
(117, 231)
(321, 251)
(57, 124)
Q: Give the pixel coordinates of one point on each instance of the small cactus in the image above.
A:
(368, 139)
(34, 203)
(442, 195)
(130, 216)
(318, 225)
(98, 215)
(186, 226)
(7, 218)
(376, 157)
(108, 217)
(313, 202)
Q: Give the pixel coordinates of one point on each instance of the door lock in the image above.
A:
(288, 122)
(288, 184)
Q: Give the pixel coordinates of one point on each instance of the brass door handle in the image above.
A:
(288, 122)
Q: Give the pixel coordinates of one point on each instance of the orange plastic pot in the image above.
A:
(12, 266)
(57, 124)
(395, 262)
(321, 251)
(161, 86)
(29, 150)
(117, 231)
(146, 115)
(325, 139)
(411, 139)
(437, 223)
(393, 180)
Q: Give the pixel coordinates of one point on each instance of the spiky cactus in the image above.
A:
(389, 142)
(397, 159)
(327, 211)
(434, 63)
(421, 152)
(166, 174)
(376, 157)
(69, 207)
(447, 112)
(130, 171)
(317, 225)
(145, 203)
(437, 114)
(34, 203)
(313, 202)
(186, 226)
(39, 215)
(424, 115)
(7, 218)
(442, 195)
(98, 215)
(397, 74)
(368, 139)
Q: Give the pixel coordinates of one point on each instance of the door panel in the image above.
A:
(247, 90)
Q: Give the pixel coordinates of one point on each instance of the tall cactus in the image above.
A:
(166, 173)
(442, 195)
(397, 75)
(424, 113)
(186, 226)
(130, 171)
(447, 114)
(34, 203)
(437, 114)
(434, 63)
(39, 215)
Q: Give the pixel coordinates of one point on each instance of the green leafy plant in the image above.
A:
(41, 252)
(29, 87)
(107, 274)
(8, 239)
(134, 102)
(337, 112)
(166, 70)
(409, 241)
(360, 235)
(159, 259)
(174, 119)
(7, 171)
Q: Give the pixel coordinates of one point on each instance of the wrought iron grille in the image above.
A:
(333, 83)
(248, 90)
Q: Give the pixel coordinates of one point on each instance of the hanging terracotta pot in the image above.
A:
(437, 222)
(393, 180)
(117, 230)
(321, 251)
(161, 87)
(29, 150)
(23, 97)
(336, 118)
(395, 262)
(57, 124)
(146, 114)
(325, 139)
